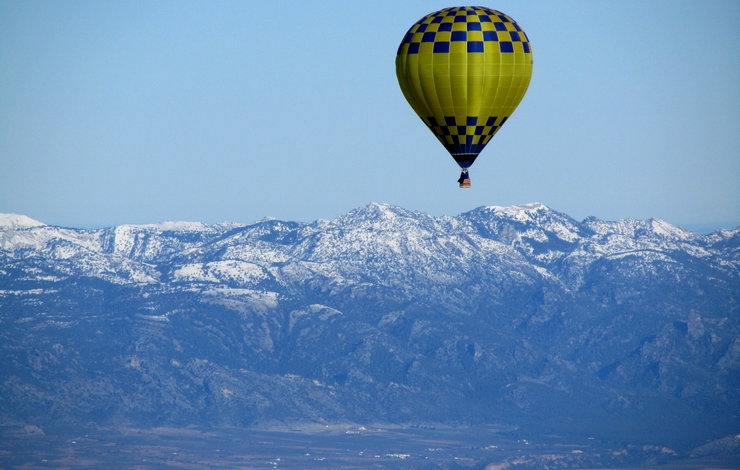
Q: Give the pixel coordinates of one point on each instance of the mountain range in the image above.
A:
(516, 315)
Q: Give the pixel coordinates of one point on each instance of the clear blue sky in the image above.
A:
(147, 111)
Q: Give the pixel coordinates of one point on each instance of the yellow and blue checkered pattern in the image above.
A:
(464, 70)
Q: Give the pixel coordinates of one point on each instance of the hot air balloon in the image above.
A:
(464, 70)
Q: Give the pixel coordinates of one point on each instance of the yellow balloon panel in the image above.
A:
(464, 70)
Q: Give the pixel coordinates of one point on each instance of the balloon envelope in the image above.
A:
(464, 70)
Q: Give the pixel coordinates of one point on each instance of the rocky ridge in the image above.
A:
(520, 315)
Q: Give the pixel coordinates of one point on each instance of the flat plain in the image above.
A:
(331, 446)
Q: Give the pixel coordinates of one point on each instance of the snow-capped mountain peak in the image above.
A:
(15, 221)
(520, 212)
(381, 312)
(378, 243)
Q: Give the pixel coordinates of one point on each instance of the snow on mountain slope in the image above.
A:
(377, 244)
(45, 237)
(15, 221)
(231, 271)
(500, 313)
(61, 252)
(151, 242)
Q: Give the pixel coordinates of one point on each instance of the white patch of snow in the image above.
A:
(64, 252)
(521, 212)
(265, 298)
(220, 271)
(38, 237)
(662, 227)
(325, 311)
(194, 272)
(324, 314)
(15, 221)
(177, 226)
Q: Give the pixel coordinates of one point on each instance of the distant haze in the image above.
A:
(138, 112)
